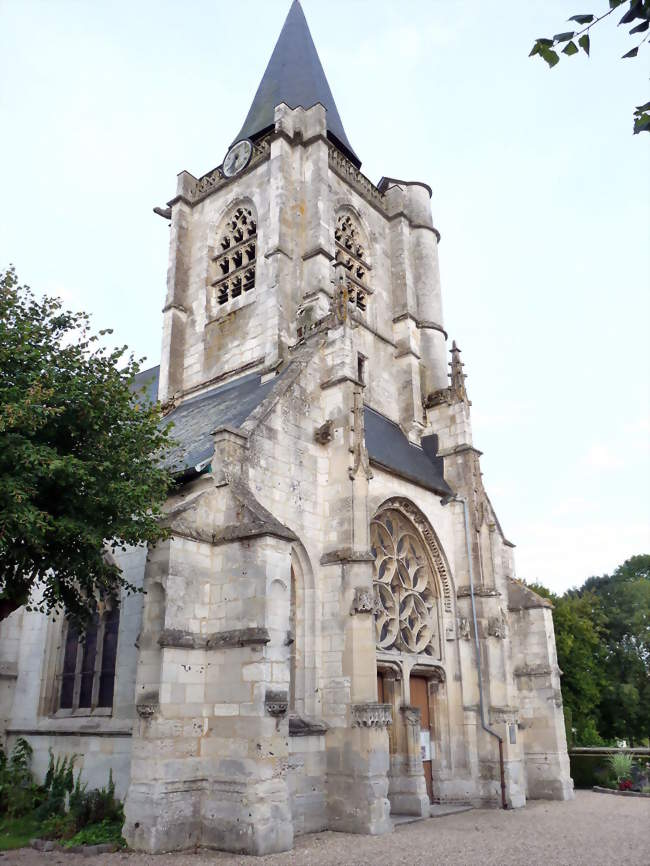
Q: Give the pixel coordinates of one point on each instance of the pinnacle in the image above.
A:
(295, 76)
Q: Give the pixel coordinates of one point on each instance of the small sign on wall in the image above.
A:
(425, 745)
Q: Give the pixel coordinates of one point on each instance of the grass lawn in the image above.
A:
(17, 832)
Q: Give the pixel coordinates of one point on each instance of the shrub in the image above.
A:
(96, 806)
(18, 793)
(58, 785)
(58, 826)
(621, 766)
(99, 834)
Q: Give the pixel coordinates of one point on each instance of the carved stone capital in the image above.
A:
(276, 703)
(324, 433)
(371, 715)
(148, 705)
(364, 600)
(411, 715)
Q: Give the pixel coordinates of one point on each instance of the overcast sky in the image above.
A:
(540, 193)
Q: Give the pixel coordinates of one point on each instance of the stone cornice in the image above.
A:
(479, 592)
(181, 639)
(303, 726)
(84, 729)
(533, 671)
(317, 251)
(8, 670)
(421, 324)
(346, 554)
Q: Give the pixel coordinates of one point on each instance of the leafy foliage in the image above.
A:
(578, 622)
(58, 826)
(60, 808)
(602, 634)
(636, 11)
(96, 806)
(77, 467)
(57, 787)
(18, 793)
(624, 596)
(99, 834)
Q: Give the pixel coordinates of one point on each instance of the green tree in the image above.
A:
(602, 634)
(624, 597)
(77, 472)
(578, 621)
(636, 13)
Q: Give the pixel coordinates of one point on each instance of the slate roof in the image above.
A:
(195, 420)
(389, 448)
(229, 405)
(295, 76)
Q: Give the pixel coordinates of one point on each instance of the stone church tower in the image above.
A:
(333, 633)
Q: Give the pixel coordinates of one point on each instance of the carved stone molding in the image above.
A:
(276, 702)
(350, 173)
(8, 670)
(371, 715)
(346, 554)
(364, 600)
(172, 637)
(411, 715)
(302, 726)
(215, 179)
(479, 592)
(533, 671)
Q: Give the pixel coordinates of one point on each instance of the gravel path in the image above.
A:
(592, 830)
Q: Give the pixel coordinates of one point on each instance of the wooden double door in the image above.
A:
(419, 688)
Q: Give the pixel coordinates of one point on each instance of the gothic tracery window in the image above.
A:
(352, 254)
(406, 613)
(234, 260)
(87, 679)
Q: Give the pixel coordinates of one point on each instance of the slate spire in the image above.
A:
(295, 76)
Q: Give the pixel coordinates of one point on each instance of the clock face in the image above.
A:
(237, 157)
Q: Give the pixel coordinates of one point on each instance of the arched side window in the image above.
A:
(406, 596)
(87, 678)
(233, 265)
(351, 252)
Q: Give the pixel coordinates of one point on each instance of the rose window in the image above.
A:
(405, 603)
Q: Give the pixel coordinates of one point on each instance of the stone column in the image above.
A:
(408, 788)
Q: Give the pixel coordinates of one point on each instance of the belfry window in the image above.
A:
(234, 262)
(87, 678)
(351, 253)
(406, 612)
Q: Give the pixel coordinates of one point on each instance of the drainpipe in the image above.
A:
(445, 501)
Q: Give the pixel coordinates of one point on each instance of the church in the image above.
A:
(333, 634)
